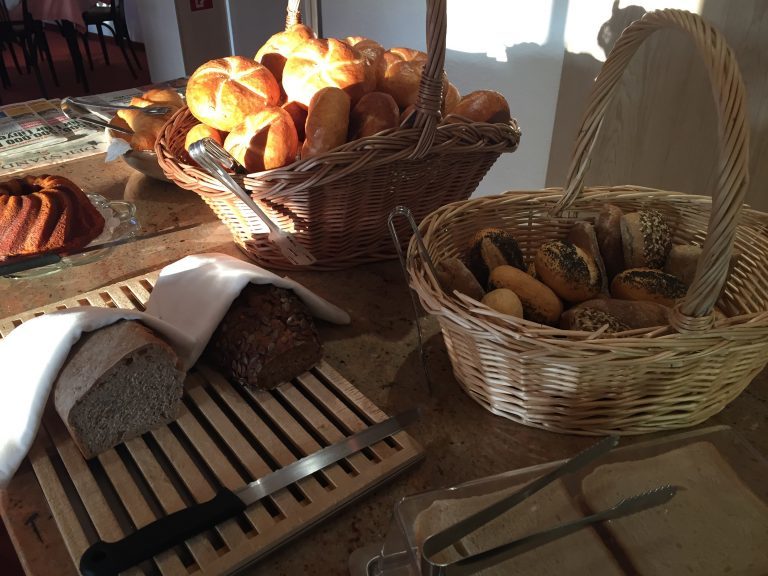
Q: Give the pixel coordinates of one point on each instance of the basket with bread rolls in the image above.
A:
(596, 310)
(333, 133)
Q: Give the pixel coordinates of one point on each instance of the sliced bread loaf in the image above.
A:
(117, 383)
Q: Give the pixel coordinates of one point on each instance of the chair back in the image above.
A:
(4, 15)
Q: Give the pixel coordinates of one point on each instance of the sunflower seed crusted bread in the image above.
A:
(266, 337)
(118, 382)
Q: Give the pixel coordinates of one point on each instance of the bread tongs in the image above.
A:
(211, 156)
(471, 564)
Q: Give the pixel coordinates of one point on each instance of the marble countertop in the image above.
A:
(378, 353)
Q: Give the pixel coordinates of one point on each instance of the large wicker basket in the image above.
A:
(637, 381)
(337, 203)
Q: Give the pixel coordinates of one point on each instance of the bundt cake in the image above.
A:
(45, 213)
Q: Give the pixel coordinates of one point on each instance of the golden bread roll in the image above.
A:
(265, 140)
(376, 111)
(540, 303)
(453, 275)
(608, 231)
(146, 130)
(505, 301)
(568, 270)
(591, 320)
(646, 239)
(319, 63)
(482, 106)
(632, 313)
(583, 235)
(327, 121)
(158, 96)
(275, 51)
(373, 52)
(120, 123)
(492, 247)
(222, 92)
(649, 285)
(299, 114)
(451, 97)
(399, 74)
(200, 131)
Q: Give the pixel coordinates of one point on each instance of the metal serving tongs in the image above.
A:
(96, 107)
(210, 156)
(472, 564)
(76, 112)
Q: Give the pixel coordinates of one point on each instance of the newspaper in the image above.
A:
(56, 138)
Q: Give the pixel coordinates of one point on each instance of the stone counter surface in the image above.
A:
(378, 353)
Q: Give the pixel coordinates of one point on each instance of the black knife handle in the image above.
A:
(111, 558)
(29, 263)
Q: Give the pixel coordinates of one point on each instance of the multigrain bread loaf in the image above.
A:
(266, 337)
(649, 285)
(568, 270)
(540, 303)
(645, 238)
(117, 383)
(714, 525)
(633, 313)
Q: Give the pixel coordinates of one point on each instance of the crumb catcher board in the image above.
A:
(225, 436)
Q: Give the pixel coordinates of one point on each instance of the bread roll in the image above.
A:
(200, 131)
(505, 301)
(453, 275)
(591, 320)
(118, 382)
(399, 74)
(451, 97)
(608, 232)
(646, 239)
(265, 140)
(635, 314)
(682, 261)
(298, 113)
(372, 52)
(568, 270)
(492, 247)
(158, 96)
(327, 121)
(275, 51)
(222, 92)
(376, 111)
(146, 130)
(583, 235)
(649, 285)
(120, 123)
(319, 63)
(540, 303)
(482, 106)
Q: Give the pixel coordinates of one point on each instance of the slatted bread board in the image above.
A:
(226, 435)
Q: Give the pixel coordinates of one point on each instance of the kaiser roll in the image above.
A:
(318, 63)
(200, 131)
(265, 140)
(275, 51)
(327, 121)
(399, 74)
(376, 111)
(372, 51)
(482, 106)
(222, 92)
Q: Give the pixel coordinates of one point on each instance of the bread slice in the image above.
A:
(580, 553)
(715, 525)
(117, 383)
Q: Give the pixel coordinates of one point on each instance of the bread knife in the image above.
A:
(110, 558)
(54, 258)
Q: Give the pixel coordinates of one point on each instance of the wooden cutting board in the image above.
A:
(225, 436)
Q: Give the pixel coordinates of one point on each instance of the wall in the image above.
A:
(162, 39)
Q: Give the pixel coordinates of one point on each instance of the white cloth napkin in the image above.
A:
(189, 300)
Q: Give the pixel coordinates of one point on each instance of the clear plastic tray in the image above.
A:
(400, 554)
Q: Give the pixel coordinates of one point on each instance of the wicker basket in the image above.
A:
(337, 203)
(636, 381)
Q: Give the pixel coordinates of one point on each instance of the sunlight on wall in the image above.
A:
(496, 25)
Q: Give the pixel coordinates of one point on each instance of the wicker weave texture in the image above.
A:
(636, 381)
(337, 203)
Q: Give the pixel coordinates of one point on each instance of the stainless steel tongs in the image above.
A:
(211, 156)
(482, 560)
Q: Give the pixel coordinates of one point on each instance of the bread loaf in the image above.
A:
(540, 303)
(319, 63)
(482, 106)
(591, 320)
(568, 270)
(608, 232)
(266, 337)
(453, 275)
(200, 131)
(222, 92)
(399, 74)
(327, 121)
(648, 284)
(275, 51)
(265, 140)
(376, 111)
(492, 247)
(117, 383)
(634, 314)
(646, 239)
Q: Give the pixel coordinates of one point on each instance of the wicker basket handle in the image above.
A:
(695, 311)
(430, 96)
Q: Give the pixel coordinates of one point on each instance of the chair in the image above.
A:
(100, 16)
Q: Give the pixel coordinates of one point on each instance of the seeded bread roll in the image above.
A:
(540, 303)
(454, 275)
(646, 239)
(583, 235)
(649, 285)
(635, 314)
(266, 337)
(568, 270)
(591, 320)
(608, 232)
(118, 382)
(492, 247)
(505, 301)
